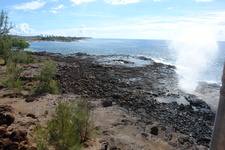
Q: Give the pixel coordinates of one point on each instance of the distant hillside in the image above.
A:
(50, 38)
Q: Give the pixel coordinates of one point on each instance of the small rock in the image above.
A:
(154, 130)
(30, 99)
(144, 135)
(114, 148)
(106, 103)
(173, 144)
(32, 116)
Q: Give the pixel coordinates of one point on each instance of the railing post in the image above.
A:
(218, 137)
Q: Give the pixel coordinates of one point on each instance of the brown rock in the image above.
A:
(6, 108)
(11, 146)
(32, 116)
(3, 132)
(9, 119)
(18, 136)
(6, 119)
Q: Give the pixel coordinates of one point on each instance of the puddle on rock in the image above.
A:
(179, 101)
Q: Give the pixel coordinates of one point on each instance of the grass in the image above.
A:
(70, 126)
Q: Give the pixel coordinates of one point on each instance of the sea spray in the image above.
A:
(195, 49)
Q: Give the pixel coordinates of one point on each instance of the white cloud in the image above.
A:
(203, 0)
(59, 7)
(121, 2)
(23, 29)
(53, 11)
(78, 2)
(30, 5)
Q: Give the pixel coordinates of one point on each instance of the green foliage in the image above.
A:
(69, 127)
(5, 47)
(19, 44)
(13, 81)
(5, 27)
(46, 82)
(21, 57)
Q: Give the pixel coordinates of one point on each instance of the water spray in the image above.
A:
(195, 48)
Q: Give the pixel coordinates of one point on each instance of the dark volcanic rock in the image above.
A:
(136, 89)
(154, 130)
(107, 103)
(6, 119)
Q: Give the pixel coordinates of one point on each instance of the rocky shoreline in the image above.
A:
(142, 94)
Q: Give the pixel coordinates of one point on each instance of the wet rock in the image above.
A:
(194, 101)
(107, 103)
(154, 130)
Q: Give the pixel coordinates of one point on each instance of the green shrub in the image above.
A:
(19, 44)
(69, 127)
(46, 82)
(12, 75)
(21, 57)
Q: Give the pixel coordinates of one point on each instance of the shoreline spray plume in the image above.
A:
(195, 48)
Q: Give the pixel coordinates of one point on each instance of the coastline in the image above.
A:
(132, 93)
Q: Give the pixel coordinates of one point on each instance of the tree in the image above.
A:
(5, 39)
(5, 27)
(5, 47)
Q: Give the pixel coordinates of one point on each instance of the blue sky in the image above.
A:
(145, 19)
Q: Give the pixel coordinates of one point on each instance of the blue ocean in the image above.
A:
(159, 50)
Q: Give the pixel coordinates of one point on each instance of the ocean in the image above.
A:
(159, 50)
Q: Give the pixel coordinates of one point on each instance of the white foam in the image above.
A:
(195, 48)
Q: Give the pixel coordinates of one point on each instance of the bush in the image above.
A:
(46, 82)
(21, 57)
(13, 81)
(19, 44)
(69, 127)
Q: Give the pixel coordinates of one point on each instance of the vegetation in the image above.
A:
(5, 27)
(5, 48)
(50, 38)
(19, 44)
(7, 43)
(69, 127)
(12, 80)
(21, 57)
(46, 82)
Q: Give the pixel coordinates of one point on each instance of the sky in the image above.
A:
(130, 19)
